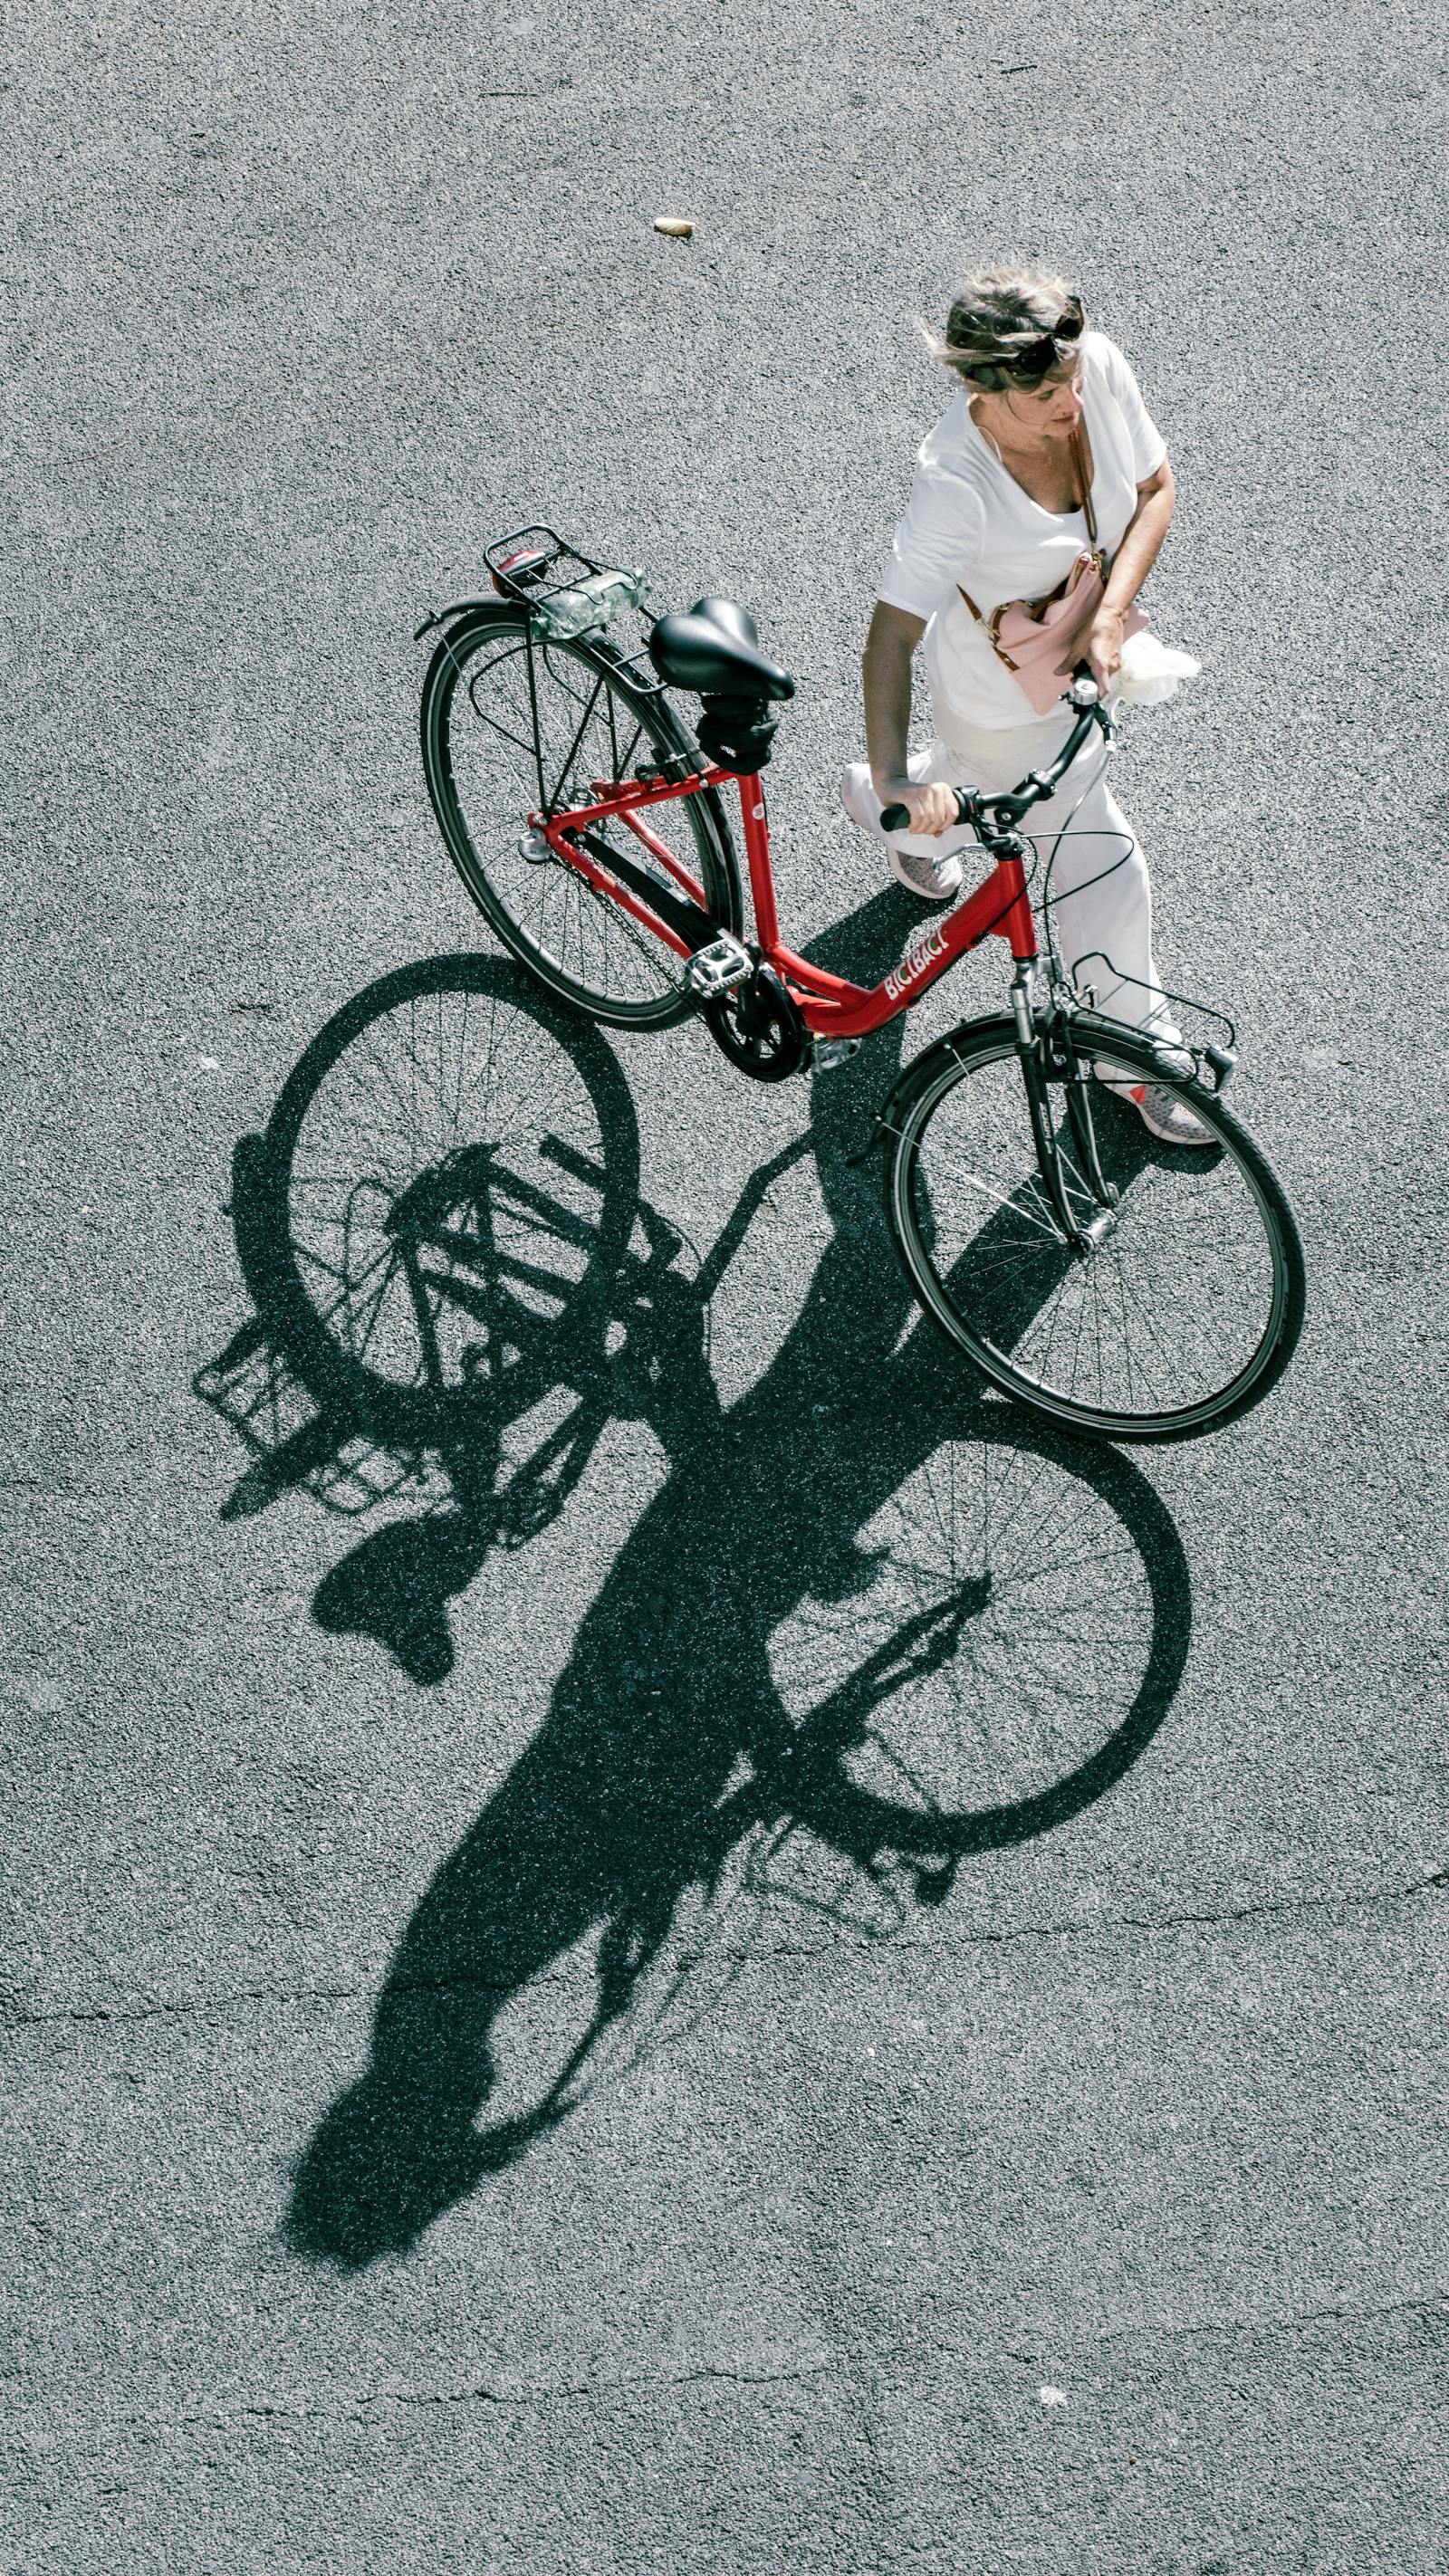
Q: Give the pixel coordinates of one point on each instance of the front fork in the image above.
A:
(1044, 1045)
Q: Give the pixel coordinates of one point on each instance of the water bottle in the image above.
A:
(588, 609)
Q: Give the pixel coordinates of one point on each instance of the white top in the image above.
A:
(969, 522)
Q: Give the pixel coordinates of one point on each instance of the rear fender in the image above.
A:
(455, 608)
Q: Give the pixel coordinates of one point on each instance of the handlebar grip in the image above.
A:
(896, 818)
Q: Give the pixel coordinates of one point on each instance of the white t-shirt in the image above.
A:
(969, 522)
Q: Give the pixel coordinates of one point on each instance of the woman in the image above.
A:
(996, 514)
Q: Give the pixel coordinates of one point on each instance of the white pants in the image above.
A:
(1090, 874)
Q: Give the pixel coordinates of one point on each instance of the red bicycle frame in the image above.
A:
(829, 1004)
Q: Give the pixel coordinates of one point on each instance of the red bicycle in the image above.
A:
(1122, 1287)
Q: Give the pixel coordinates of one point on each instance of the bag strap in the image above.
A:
(1084, 477)
(1083, 465)
(992, 625)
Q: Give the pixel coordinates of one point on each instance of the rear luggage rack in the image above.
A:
(535, 566)
(518, 564)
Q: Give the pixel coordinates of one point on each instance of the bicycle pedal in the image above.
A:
(716, 970)
(830, 1052)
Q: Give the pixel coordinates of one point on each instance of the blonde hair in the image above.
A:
(995, 315)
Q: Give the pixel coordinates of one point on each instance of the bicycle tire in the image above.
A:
(452, 1265)
(580, 705)
(1000, 1282)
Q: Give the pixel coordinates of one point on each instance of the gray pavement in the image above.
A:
(464, 2109)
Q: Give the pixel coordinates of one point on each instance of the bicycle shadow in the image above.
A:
(770, 1701)
(487, 1443)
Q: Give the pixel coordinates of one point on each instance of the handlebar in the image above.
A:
(996, 814)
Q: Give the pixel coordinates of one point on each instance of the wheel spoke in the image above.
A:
(537, 730)
(1169, 1315)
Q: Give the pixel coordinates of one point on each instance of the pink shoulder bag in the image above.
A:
(1041, 641)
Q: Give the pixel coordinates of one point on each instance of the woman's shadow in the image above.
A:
(815, 1635)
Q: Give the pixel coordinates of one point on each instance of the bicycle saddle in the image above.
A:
(714, 648)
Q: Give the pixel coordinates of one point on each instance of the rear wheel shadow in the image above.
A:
(435, 1229)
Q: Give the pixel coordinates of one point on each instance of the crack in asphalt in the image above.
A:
(181, 2006)
(1426, 2303)
(1101, 1926)
(366, 2406)
(562, 2392)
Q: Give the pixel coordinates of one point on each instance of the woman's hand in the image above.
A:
(1131, 565)
(1104, 646)
(932, 809)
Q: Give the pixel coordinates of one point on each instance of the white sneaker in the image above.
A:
(935, 880)
(912, 857)
(1163, 1114)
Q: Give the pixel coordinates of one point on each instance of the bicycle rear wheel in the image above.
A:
(1187, 1313)
(510, 729)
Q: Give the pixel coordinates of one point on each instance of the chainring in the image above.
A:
(760, 1028)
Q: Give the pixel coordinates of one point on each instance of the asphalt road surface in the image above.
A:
(473, 2098)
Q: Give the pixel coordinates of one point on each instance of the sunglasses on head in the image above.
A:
(1053, 349)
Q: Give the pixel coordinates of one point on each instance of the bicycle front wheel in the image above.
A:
(1186, 1313)
(511, 726)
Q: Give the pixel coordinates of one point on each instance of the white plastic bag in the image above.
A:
(1150, 670)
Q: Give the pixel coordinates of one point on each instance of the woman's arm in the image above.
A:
(1133, 561)
(886, 671)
